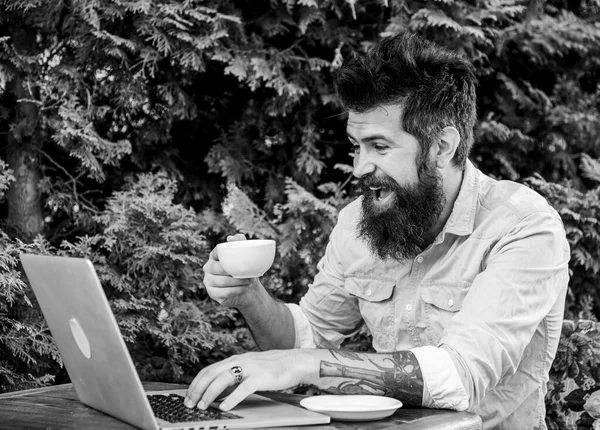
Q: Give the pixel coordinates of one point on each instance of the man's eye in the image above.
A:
(380, 148)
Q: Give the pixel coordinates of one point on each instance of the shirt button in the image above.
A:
(408, 308)
(419, 259)
(368, 292)
(450, 302)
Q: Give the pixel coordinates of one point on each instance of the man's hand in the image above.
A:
(269, 320)
(221, 286)
(268, 370)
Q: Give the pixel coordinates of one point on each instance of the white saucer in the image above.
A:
(352, 407)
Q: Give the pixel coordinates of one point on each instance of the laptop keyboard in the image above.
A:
(170, 408)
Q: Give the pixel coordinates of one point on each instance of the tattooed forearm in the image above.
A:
(401, 379)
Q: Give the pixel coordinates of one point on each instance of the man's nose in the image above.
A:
(362, 165)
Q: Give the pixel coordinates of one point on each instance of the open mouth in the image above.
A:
(381, 193)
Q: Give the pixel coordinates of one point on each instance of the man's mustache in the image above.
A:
(365, 183)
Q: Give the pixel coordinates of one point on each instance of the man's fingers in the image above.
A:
(209, 384)
(225, 393)
(197, 387)
(216, 276)
(239, 394)
(214, 267)
(225, 281)
(214, 390)
(219, 284)
(236, 237)
(214, 255)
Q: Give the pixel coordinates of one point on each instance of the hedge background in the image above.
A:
(140, 133)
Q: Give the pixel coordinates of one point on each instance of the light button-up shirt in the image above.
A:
(481, 307)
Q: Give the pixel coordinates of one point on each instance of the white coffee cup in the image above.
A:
(246, 258)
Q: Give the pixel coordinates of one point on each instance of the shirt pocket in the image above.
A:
(440, 303)
(374, 299)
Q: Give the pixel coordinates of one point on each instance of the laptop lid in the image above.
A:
(98, 362)
(88, 338)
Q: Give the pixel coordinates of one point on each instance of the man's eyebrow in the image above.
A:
(369, 139)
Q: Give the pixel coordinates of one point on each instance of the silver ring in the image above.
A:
(237, 373)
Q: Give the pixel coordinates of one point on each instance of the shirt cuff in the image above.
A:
(304, 336)
(443, 388)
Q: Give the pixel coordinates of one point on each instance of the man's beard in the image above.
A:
(398, 232)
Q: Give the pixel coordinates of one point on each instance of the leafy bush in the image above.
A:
(148, 254)
(149, 258)
(580, 212)
(28, 356)
(573, 399)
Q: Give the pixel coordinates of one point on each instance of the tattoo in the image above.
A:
(402, 379)
(346, 354)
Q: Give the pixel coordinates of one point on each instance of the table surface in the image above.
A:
(58, 407)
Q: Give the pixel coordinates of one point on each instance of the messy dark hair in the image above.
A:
(434, 86)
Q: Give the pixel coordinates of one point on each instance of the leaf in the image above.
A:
(298, 197)
(308, 3)
(590, 167)
(245, 216)
(344, 168)
(434, 18)
(238, 67)
(308, 16)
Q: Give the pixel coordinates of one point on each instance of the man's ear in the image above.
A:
(448, 143)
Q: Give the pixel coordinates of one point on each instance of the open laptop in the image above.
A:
(100, 367)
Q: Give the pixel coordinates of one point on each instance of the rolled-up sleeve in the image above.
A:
(333, 313)
(526, 273)
(304, 337)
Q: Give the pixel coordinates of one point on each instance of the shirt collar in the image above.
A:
(462, 217)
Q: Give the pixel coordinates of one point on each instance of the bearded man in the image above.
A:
(460, 279)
